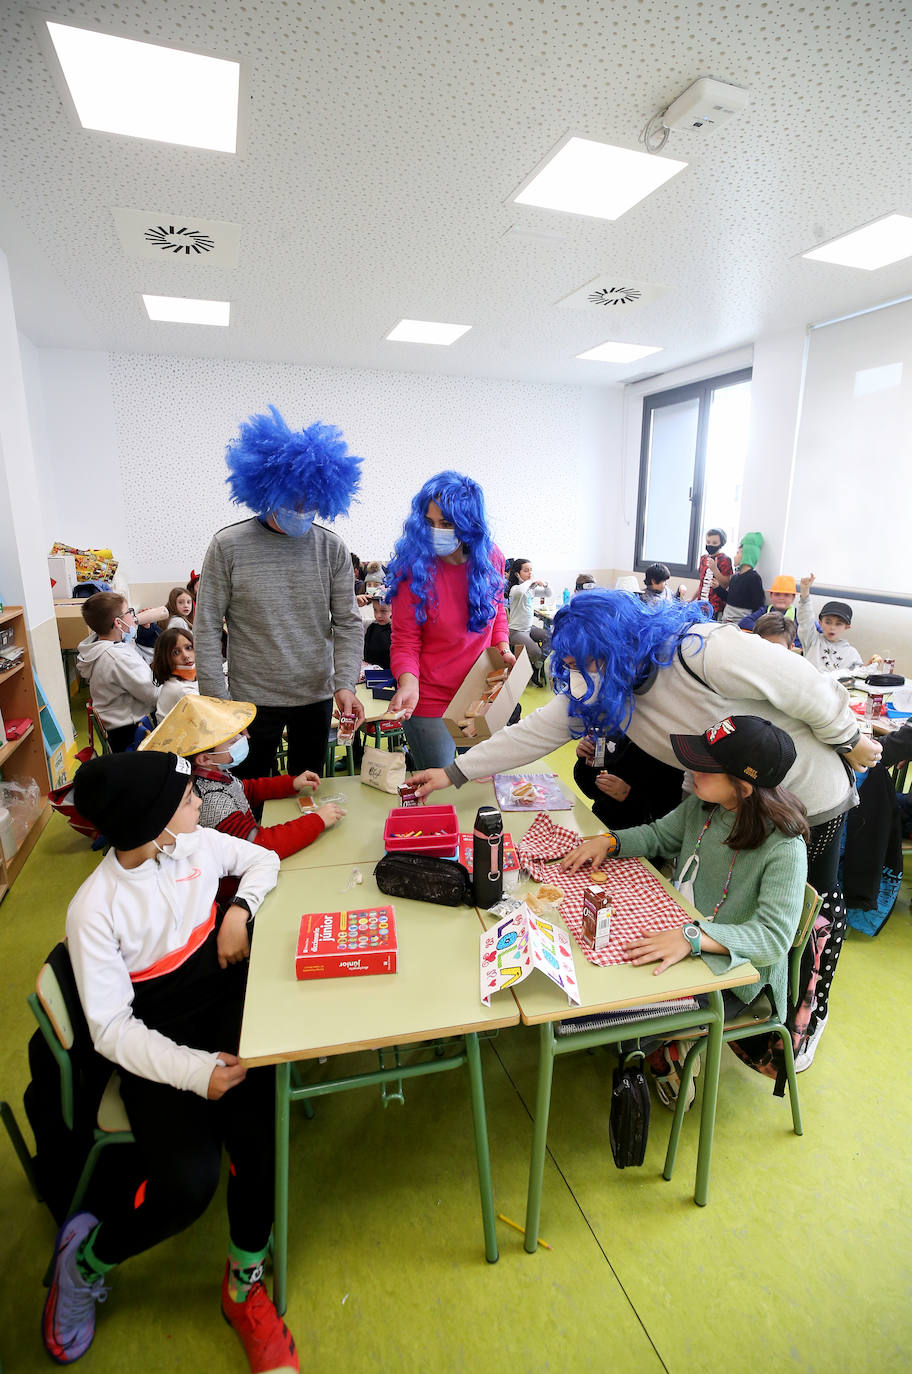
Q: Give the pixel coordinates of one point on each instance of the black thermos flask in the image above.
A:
(487, 857)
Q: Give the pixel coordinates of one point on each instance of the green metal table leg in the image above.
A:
(280, 1221)
(539, 1134)
(710, 1093)
(480, 1121)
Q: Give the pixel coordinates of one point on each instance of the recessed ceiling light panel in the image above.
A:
(618, 353)
(584, 176)
(427, 332)
(167, 236)
(144, 90)
(875, 245)
(181, 310)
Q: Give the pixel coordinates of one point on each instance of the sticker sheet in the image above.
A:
(520, 944)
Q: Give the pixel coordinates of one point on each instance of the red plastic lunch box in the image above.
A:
(422, 830)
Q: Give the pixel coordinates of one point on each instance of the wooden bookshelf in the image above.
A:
(24, 758)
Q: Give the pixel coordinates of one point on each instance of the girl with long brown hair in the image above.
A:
(740, 841)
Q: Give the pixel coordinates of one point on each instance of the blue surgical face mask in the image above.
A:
(444, 541)
(294, 522)
(128, 636)
(238, 751)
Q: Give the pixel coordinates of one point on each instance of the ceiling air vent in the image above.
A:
(171, 237)
(613, 292)
(174, 240)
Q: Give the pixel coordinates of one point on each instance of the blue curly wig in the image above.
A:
(272, 467)
(461, 501)
(625, 640)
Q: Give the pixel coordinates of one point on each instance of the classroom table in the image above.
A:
(434, 995)
(614, 988)
(358, 837)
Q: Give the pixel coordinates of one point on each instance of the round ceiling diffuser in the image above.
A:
(615, 295)
(173, 240)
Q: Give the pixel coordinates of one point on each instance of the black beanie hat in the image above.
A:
(130, 798)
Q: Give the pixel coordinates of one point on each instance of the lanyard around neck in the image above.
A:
(731, 866)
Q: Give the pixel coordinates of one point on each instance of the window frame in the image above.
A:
(656, 400)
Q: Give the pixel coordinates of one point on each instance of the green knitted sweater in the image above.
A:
(759, 917)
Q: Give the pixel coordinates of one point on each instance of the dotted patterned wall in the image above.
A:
(384, 139)
(523, 443)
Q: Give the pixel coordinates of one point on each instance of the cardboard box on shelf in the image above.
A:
(474, 689)
(62, 572)
(71, 628)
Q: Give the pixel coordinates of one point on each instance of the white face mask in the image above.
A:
(578, 687)
(183, 847)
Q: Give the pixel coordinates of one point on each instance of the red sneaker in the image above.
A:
(269, 1344)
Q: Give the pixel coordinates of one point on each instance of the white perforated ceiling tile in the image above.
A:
(385, 137)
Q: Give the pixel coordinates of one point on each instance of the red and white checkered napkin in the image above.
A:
(543, 841)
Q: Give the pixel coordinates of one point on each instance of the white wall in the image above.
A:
(135, 454)
(23, 555)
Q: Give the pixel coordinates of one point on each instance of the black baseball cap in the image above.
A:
(837, 608)
(747, 747)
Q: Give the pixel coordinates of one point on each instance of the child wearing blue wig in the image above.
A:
(283, 586)
(656, 671)
(445, 582)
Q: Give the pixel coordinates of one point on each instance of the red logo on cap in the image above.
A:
(720, 730)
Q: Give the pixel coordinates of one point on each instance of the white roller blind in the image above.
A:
(852, 483)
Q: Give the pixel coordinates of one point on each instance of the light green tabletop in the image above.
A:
(434, 993)
(621, 985)
(358, 838)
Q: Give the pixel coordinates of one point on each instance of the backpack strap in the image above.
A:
(689, 671)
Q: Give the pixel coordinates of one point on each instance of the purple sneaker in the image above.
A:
(68, 1323)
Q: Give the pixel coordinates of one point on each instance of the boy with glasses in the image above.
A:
(120, 680)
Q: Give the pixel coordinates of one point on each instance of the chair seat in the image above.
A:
(112, 1114)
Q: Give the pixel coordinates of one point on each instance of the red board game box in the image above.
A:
(510, 860)
(336, 944)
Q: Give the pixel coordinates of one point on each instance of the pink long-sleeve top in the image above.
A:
(442, 650)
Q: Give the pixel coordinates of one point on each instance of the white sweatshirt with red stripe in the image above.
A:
(128, 924)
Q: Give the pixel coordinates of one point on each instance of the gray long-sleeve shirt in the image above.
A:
(295, 634)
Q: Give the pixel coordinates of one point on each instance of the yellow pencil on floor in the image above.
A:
(543, 1243)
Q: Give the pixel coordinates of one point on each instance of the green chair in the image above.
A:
(56, 1007)
(760, 1018)
(395, 738)
(332, 744)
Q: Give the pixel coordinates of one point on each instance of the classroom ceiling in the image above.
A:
(384, 139)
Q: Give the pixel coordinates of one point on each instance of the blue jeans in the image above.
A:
(430, 743)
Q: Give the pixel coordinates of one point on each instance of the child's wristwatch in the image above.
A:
(692, 934)
(243, 904)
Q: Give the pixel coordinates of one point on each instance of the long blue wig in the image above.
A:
(625, 640)
(272, 467)
(461, 501)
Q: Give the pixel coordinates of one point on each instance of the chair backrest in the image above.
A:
(56, 1007)
(809, 909)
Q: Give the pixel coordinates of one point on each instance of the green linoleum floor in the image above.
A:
(802, 1260)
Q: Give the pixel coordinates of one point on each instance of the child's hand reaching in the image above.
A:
(307, 779)
(596, 849)
(429, 780)
(806, 584)
(330, 813)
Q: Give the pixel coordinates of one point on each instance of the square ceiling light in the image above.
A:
(144, 90)
(875, 245)
(426, 332)
(618, 353)
(584, 176)
(183, 310)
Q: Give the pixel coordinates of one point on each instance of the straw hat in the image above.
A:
(197, 724)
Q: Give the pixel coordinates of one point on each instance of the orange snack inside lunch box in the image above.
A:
(422, 830)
